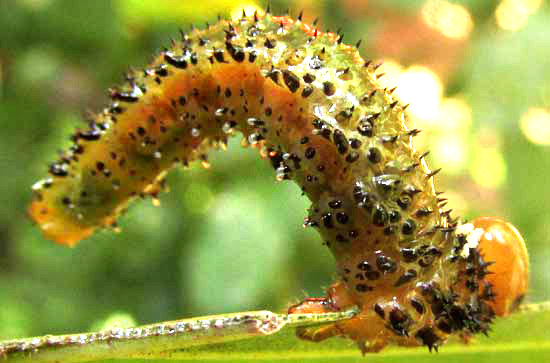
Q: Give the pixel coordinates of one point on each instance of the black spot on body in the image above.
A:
(352, 157)
(291, 80)
(374, 155)
(309, 78)
(307, 91)
(399, 322)
(340, 141)
(344, 115)
(380, 216)
(386, 264)
(273, 74)
(409, 254)
(404, 202)
(335, 204)
(115, 108)
(408, 227)
(394, 216)
(218, 55)
(364, 266)
(161, 70)
(408, 276)
(327, 220)
(178, 62)
(90, 135)
(328, 88)
(365, 127)
(354, 143)
(236, 52)
(342, 217)
(124, 97)
(310, 153)
(270, 43)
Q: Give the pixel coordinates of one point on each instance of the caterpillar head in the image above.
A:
(502, 244)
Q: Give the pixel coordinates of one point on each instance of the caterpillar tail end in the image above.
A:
(504, 249)
(57, 226)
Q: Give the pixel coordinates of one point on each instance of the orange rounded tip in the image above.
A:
(56, 226)
(502, 243)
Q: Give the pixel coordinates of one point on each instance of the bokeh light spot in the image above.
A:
(422, 89)
(535, 125)
(488, 168)
(452, 20)
(454, 114)
(115, 320)
(450, 151)
(392, 71)
(513, 14)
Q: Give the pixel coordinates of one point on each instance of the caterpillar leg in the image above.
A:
(319, 305)
(317, 334)
(315, 305)
(337, 299)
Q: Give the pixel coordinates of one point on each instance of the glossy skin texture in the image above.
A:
(503, 244)
(314, 107)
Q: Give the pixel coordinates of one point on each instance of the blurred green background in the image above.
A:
(229, 238)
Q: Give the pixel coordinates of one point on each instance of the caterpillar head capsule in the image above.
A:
(502, 243)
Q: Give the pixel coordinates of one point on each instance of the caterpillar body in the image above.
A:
(313, 106)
